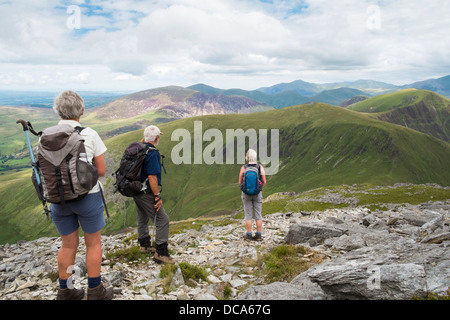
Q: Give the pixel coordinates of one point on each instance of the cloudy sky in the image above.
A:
(137, 45)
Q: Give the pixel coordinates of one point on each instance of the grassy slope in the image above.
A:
(421, 110)
(320, 145)
(401, 99)
(12, 137)
(92, 119)
(389, 101)
(21, 212)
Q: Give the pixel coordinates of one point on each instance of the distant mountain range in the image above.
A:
(441, 86)
(277, 96)
(298, 92)
(311, 89)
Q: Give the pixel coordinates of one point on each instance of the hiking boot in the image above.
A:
(257, 237)
(70, 294)
(248, 236)
(147, 249)
(145, 245)
(162, 255)
(163, 259)
(100, 293)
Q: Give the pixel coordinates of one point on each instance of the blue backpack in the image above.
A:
(251, 181)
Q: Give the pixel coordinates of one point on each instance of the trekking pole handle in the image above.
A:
(24, 124)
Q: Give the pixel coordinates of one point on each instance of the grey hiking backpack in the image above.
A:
(64, 170)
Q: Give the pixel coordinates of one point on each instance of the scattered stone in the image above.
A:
(274, 291)
(437, 238)
(302, 232)
(400, 253)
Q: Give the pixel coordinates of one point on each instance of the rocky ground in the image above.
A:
(401, 253)
(26, 267)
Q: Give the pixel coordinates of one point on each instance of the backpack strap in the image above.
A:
(254, 164)
(259, 169)
(60, 184)
(160, 156)
(79, 129)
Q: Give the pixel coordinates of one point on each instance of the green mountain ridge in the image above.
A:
(421, 110)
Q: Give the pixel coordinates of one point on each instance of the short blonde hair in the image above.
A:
(150, 133)
(251, 155)
(69, 105)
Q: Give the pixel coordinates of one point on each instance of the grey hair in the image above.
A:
(251, 155)
(69, 105)
(150, 133)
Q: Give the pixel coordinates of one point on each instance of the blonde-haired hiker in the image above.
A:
(252, 179)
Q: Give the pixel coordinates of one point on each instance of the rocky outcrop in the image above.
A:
(399, 254)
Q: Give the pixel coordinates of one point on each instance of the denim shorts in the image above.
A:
(87, 212)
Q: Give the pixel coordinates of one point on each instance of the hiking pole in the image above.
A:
(154, 227)
(25, 126)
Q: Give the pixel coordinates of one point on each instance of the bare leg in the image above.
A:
(248, 225)
(93, 253)
(258, 225)
(66, 255)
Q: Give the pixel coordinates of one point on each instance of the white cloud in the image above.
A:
(82, 77)
(230, 43)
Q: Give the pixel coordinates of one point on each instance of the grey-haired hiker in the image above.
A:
(87, 212)
(252, 202)
(149, 203)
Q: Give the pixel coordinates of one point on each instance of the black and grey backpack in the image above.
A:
(63, 167)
